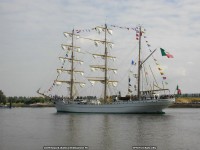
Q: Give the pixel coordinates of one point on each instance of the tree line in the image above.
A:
(21, 99)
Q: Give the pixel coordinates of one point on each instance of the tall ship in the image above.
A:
(143, 96)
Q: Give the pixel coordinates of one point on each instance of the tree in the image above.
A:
(2, 97)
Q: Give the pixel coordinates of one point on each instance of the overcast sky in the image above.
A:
(31, 32)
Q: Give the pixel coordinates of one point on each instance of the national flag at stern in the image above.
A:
(177, 87)
(178, 90)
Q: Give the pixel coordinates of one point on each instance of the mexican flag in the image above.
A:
(164, 53)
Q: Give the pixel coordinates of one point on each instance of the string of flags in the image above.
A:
(83, 30)
(160, 69)
(130, 28)
(127, 28)
(129, 85)
(115, 26)
(147, 42)
(138, 33)
(53, 84)
(99, 29)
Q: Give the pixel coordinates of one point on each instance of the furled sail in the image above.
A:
(59, 82)
(70, 48)
(93, 80)
(102, 68)
(70, 59)
(103, 56)
(69, 71)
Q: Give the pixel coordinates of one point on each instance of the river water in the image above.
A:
(34, 128)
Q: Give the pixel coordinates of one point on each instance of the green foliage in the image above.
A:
(21, 99)
(2, 98)
(27, 100)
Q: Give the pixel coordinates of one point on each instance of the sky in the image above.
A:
(31, 32)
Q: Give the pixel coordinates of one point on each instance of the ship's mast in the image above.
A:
(106, 53)
(104, 67)
(139, 63)
(72, 71)
(72, 68)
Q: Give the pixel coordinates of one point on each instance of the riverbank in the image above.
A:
(186, 102)
(185, 105)
(29, 105)
(181, 102)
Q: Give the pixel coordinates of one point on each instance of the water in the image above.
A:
(33, 128)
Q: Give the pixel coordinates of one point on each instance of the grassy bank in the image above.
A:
(187, 102)
(187, 99)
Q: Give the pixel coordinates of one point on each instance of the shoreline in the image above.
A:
(185, 105)
(39, 105)
(36, 105)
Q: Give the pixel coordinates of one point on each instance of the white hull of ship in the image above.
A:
(142, 106)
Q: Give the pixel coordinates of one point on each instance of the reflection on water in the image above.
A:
(33, 128)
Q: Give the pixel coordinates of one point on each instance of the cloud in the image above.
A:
(31, 34)
(190, 63)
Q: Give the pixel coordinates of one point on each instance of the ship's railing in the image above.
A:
(146, 97)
